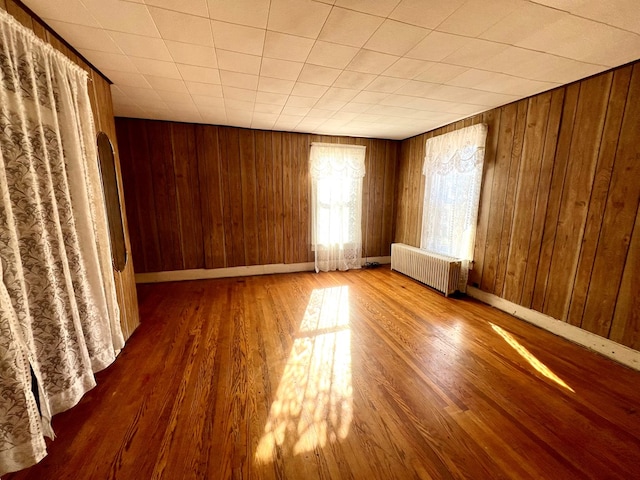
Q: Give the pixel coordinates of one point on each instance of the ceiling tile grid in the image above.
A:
(372, 68)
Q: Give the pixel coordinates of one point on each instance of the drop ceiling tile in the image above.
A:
(386, 84)
(267, 108)
(475, 53)
(381, 8)
(190, 54)
(319, 75)
(182, 27)
(476, 16)
(337, 93)
(300, 111)
(238, 105)
(354, 80)
(367, 61)
(345, 116)
(238, 62)
(272, 98)
(328, 104)
(398, 100)
(355, 107)
(240, 80)
(437, 45)
(304, 18)
(214, 116)
(127, 78)
(158, 68)
(320, 113)
(253, 13)
(263, 121)
(282, 69)
(499, 83)
(286, 47)
(370, 97)
(425, 13)
(624, 14)
(395, 37)
(71, 11)
(440, 73)
(204, 89)
(140, 94)
(238, 38)
(89, 37)
(296, 101)
(202, 101)
(193, 73)
(174, 97)
(109, 61)
(347, 27)
(139, 46)
(275, 85)
(407, 68)
(308, 90)
(233, 93)
(129, 111)
(522, 23)
(192, 7)
(585, 40)
(122, 16)
(331, 54)
(168, 84)
(417, 89)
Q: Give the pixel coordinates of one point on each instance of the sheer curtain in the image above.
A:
(453, 175)
(58, 312)
(336, 214)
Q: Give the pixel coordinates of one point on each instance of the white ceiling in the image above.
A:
(372, 68)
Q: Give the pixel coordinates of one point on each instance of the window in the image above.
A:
(453, 175)
(336, 186)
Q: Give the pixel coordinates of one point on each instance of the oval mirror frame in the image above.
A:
(111, 190)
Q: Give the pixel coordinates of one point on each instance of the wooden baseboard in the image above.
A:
(208, 273)
(615, 351)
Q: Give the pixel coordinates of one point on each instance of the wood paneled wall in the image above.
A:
(100, 96)
(559, 224)
(202, 196)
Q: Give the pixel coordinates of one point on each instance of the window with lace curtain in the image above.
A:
(453, 175)
(336, 214)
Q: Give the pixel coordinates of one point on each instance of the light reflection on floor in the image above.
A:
(529, 357)
(314, 402)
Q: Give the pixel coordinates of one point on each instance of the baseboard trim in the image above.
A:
(615, 351)
(209, 273)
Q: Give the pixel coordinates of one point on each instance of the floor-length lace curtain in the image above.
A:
(453, 175)
(58, 310)
(336, 214)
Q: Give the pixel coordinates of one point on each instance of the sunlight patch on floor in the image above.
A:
(529, 357)
(313, 403)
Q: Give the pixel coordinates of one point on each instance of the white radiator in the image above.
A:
(437, 271)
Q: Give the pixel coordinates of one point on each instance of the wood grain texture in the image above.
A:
(102, 107)
(363, 374)
(559, 202)
(202, 196)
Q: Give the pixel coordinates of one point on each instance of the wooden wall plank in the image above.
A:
(618, 220)
(599, 193)
(585, 143)
(277, 182)
(492, 120)
(233, 199)
(208, 151)
(263, 149)
(165, 200)
(542, 195)
(625, 327)
(185, 164)
(249, 196)
(526, 188)
(509, 205)
(390, 175)
(498, 194)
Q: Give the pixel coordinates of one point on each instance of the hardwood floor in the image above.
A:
(358, 375)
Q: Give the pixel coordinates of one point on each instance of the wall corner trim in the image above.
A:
(209, 273)
(608, 348)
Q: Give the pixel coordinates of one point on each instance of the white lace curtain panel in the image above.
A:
(453, 176)
(58, 310)
(336, 214)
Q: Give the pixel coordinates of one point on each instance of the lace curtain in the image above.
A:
(336, 215)
(453, 175)
(58, 312)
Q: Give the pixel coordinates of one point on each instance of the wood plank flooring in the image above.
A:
(357, 375)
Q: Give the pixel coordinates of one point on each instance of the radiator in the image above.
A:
(437, 271)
